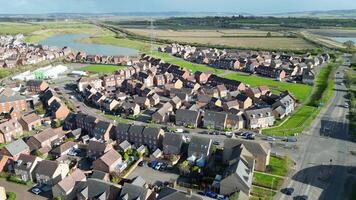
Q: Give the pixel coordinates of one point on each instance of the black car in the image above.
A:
(140, 163)
(302, 197)
(287, 191)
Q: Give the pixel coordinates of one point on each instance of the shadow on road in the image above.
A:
(329, 179)
(332, 128)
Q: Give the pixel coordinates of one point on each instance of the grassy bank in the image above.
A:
(266, 180)
(300, 91)
(350, 79)
(306, 113)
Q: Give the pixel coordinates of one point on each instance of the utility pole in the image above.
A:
(152, 35)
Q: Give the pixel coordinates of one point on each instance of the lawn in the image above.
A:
(101, 68)
(300, 91)
(261, 193)
(301, 119)
(264, 180)
(279, 166)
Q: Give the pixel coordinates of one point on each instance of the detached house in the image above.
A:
(108, 162)
(30, 122)
(9, 130)
(25, 167)
(69, 186)
(199, 150)
(14, 149)
(50, 172)
(284, 106)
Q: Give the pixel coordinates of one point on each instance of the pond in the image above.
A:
(70, 40)
(344, 39)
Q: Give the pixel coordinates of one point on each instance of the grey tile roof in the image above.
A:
(173, 194)
(47, 167)
(17, 147)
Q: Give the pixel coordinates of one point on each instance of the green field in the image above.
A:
(300, 91)
(101, 68)
(267, 181)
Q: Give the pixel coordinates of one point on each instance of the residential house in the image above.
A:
(98, 189)
(86, 122)
(102, 130)
(12, 102)
(68, 188)
(125, 146)
(235, 121)
(129, 108)
(199, 150)
(30, 122)
(259, 118)
(83, 82)
(271, 72)
(284, 106)
(234, 104)
(152, 137)
(9, 130)
(261, 151)
(64, 148)
(59, 110)
(222, 90)
(45, 138)
(50, 172)
(108, 162)
(215, 120)
(110, 104)
(188, 118)
(172, 144)
(244, 101)
(236, 178)
(253, 92)
(36, 86)
(96, 149)
(136, 189)
(14, 149)
(162, 115)
(121, 132)
(25, 167)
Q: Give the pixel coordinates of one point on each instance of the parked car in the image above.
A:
(216, 142)
(36, 191)
(154, 163)
(290, 139)
(158, 166)
(211, 194)
(287, 191)
(269, 138)
(179, 130)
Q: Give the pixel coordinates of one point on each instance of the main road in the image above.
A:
(324, 159)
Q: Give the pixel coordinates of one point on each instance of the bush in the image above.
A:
(10, 195)
(16, 180)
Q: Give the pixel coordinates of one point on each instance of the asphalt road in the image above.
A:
(324, 161)
(22, 191)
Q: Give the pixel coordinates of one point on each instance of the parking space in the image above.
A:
(153, 176)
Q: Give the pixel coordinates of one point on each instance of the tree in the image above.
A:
(184, 168)
(349, 44)
(269, 34)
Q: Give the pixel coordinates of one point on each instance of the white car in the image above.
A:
(269, 138)
(179, 130)
(158, 166)
(36, 191)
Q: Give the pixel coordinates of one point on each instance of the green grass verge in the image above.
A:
(279, 166)
(265, 180)
(301, 119)
(261, 193)
(101, 68)
(300, 91)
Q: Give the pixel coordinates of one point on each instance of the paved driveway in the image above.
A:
(22, 191)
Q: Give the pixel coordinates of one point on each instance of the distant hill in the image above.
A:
(347, 14)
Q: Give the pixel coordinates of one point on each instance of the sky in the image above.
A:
(107, 6)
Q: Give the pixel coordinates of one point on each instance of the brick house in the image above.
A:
(36, 86)
(108, 162)
(30, 122)
(9, 130)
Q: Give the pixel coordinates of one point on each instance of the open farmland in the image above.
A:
(9, 28)
(229, 38)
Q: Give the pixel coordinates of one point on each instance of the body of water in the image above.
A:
(69, 40)
(344, 39)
